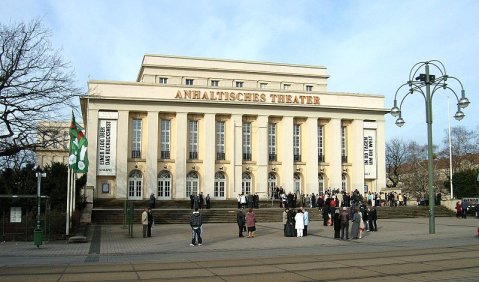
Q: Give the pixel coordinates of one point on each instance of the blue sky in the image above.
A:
(368, 46)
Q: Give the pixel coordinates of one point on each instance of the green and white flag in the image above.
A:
(78, 159)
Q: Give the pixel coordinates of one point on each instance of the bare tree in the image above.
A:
(396, 157)
(35, 85)
(463, 146)
(415, 178)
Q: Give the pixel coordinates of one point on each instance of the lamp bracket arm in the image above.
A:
(458, 81)
(415, 69)
(397, 91)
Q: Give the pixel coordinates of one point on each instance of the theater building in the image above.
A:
(224, 127)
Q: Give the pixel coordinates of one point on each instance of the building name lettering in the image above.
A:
(246, 97)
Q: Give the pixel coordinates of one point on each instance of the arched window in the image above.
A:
(220, 185)
(320, 184)
(192, 184)
(246, 183)
(297, 183)
(164, 185)
(135, 185)
(344, 182)
(272, 183)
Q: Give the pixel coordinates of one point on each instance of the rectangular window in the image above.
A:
(247, 141)
(239, 84)
(220, 140)
(193, 139)
(272, 142)
(189, 81)
(309, 88)
(165, 132)
(344, 141)
(163, 80)
(136, 139)
(105, 188)
(297, 142)
(286, 86)
(320, 143)
(215, 83)
(263, 85)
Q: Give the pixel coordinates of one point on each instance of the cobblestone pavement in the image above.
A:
(401, 250)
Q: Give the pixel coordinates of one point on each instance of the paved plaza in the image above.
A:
(401, 250)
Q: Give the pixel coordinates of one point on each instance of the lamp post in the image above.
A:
(427, 84)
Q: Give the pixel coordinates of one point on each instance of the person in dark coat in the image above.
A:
(372, 218)
(344, 215)
(325, 213)
(240, 220)
(150, 222)
(152, 201)
(208, 201)
(290, 224)
(336, 223)
(196, 223)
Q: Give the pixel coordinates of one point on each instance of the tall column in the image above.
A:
(209, 155)
(310, 151)
(333, 155)
(122, 156)
(237, 157)
(355, 142)
(381, 157)
(287, 158)
(261, 178)
(180, 160)
(152, 154)
(92, 134)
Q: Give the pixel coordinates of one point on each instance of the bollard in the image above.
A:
(37, 237)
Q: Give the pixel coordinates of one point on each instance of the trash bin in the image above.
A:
(37, 237)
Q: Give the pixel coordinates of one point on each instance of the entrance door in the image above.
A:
(135, 185)
(164, 185)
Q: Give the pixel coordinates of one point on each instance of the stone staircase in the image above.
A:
(181, 215)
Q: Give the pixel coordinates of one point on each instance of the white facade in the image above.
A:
(225, 127)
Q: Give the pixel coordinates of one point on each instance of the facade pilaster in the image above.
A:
(310, 152)
(92, 137)
(122, 156)
(152, 154)
(210, 154)
(333, 143)
(381, 157)
(237, 122)
(181, 132)
(262, 157)
(355, 140)
(287, 158)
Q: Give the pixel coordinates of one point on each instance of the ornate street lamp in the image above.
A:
(417, 83)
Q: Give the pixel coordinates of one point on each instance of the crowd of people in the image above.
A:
(200, 201)
(248, 201)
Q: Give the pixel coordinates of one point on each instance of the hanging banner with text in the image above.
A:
(107, 147)
(369, 153)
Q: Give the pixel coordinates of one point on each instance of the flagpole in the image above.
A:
(450, 148)
(74, 190)
(67, 224)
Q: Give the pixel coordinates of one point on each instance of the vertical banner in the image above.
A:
(107, 133)
(369, 153)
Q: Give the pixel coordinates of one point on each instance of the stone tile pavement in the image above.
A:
(401, 249)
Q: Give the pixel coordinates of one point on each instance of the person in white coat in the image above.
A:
(306, 221)
(299, 218)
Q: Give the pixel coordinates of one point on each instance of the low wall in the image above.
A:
(450, 204)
